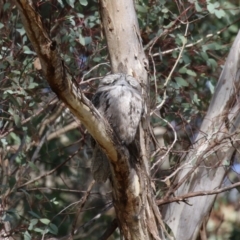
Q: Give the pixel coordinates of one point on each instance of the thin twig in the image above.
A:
(198, 41)
(172, 70)
(48, 173)
(27, 119)
(196, 194)
(96, 66)
(82, 203)
(209, 149)
(59, 189)
(91, 221)
(40, 144)
(23, 141)
(62, 130)
(173, 143)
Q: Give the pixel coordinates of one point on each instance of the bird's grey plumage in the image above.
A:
(118, 99)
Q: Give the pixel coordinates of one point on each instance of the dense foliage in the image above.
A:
(45, 153)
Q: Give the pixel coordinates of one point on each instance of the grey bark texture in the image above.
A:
(205, 165)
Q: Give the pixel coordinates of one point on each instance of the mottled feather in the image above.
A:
(119, 100)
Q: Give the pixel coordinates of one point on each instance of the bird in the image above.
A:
(119, 100)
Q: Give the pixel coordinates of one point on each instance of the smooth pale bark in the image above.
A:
(210, 157)
(138, 216)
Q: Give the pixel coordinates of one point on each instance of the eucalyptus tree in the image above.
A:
(200, 167)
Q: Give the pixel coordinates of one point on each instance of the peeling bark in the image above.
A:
(215, 146)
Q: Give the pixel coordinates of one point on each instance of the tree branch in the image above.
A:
(195, 194)
(62, 83)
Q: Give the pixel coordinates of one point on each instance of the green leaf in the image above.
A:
(165, 10)
(6, 218)
(140, 8)
(183, 39)
(97, 59)
(24, 191)
(212, 63)
(27, 236)
(54, 201)
(16, 72)
(191, 73)
(210, 86)
(45, 221)
(181, 82)
(197, 7)
(233, 28)
(17, 120)
(33, 222)
(169, 25)
(210, 7)
(4, 142)
(33, 166)
(39, 230)
(33, 214)
(72, 21)
(183, 70)
(226, 163)
(21, 31)
(10, 60)
(220, 13)
(1, 25)
(83, 2)
(53, 229)
(204, 55)
(9, 91)
(31, 104)
(6, 6)
(61, 3)
(15, 116)
(87, 40)
(71, 3)
(26, 50)
(80, 15)
(81, 39)
(196, 99)
(186, 106)
(32, 85)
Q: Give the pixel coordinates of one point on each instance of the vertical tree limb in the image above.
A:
(211, 155)
(138, 216)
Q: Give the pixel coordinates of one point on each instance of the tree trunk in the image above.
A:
(137, 213)
(206, 164)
